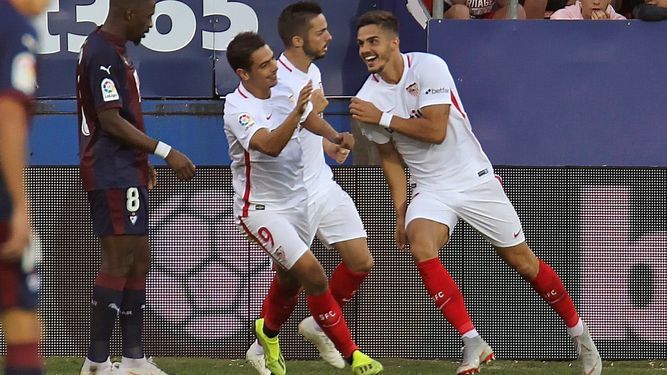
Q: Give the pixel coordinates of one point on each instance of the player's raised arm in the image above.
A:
(319, 126)
(273, 142)
(430, 127)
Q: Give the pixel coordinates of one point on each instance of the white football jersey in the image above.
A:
(457, 163)
(261, 182)
(317, 173)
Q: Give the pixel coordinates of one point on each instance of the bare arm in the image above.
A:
(320, 126)
(13, 138)
(394, 173)
(120, 129)
(430, 128)
(272, 142)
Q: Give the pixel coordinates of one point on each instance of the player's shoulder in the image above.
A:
(237, 102)
(98, 49)
(371, 85)
(13, 23)
(16, 32)
(424, 59)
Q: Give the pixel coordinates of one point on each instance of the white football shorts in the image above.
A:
(280, 234)
(485, 207)
(334, 218)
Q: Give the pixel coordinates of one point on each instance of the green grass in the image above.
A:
(195, 366)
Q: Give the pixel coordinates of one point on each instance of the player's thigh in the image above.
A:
(120, 220)
(125, 255)
(429, 222)
(487, 209)
(355, 254)
(118, 212)
(277, 234)
(340, 225)
(19, 286)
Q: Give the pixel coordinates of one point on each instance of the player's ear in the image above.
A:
(297, 41)
(243, 74)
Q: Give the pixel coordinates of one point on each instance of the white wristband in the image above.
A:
(385, 120)
(162, 149)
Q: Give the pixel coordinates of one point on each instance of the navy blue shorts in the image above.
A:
(18, 289)
(117, 212)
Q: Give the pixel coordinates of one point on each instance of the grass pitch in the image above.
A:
(397, 366)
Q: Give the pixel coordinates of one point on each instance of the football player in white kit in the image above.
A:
(333, 216)
(271, 201)
(410, 107)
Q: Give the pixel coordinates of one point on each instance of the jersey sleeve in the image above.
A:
(244, 125)
(18, 70)
(374, 133)
(435, 82)
(106, 74)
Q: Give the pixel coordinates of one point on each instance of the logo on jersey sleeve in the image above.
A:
(109, 92)
(246, 120)
(24, 75)
(440, 90)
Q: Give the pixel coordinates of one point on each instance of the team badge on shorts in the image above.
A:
(246, 120)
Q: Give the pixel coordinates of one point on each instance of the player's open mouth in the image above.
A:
(370, 58)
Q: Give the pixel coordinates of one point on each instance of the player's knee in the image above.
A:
(422, 249)
(21, 326)
(522, 259)
(361, 264)
(458, 12)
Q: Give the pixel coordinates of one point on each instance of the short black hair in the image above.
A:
(241, 48)
(294, 20)
(381, 18)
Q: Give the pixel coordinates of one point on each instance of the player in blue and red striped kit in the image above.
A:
(19, 282)
(115, 172)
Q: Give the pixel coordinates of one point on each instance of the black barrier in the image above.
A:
(603, 230)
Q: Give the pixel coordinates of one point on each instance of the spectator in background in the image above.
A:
(489, 9)
(651, 10)
(588, 10)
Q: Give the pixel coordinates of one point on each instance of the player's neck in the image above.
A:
(257, 92)
(114, 29)
(393, 72)
(298, 59)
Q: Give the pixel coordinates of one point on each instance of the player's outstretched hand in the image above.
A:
(304, 98)
(364, 111)
(19, 237)
(344, 140)
(320, 103)
(181, 165)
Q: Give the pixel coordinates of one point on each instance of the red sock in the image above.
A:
(23, 357)
(446, 294)
(549, 286)
(278, 304)
(345, 283)
(329, 316)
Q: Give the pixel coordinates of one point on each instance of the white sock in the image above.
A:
(471, 334)
(577, 330)
(133, 362)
